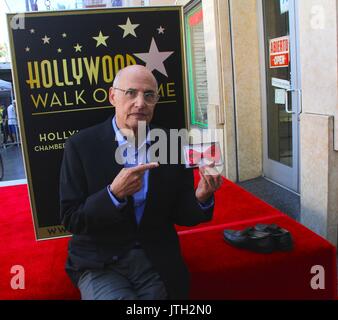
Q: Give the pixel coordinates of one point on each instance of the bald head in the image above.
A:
(134, 96)
(135, 70)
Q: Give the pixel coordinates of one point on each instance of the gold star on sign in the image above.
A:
(101, 39)
(77, 48)
(59, 50)
(128, 28)
(45, 39)
(64, 35)
(27, 49)
(32, 31)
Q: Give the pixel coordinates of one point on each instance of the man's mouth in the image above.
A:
(138, 114)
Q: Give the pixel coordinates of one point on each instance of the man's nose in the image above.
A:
(139, 100)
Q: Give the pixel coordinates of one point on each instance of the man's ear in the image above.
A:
(112, 96)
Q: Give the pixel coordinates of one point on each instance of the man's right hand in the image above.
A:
(129, 180)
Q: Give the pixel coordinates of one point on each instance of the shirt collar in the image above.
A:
(120, 138)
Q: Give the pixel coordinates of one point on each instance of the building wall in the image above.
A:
(234, 84)
(247, 87)
(161, 2)
(227, 101)
(336, 113)
(138, 3)
(182, 2)
(319, 161)
(219, 77)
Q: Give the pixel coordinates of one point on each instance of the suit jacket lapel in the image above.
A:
(109, 145)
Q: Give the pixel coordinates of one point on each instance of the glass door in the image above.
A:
(281, 94)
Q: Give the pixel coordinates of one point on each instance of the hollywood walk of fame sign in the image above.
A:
(64, 63)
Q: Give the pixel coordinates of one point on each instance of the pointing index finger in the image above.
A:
(143, 167)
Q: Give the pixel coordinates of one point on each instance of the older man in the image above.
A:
(122, 216)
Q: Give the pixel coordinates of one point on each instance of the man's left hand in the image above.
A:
(210, 181)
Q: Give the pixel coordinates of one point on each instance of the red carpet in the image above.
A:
(218, 270)
(43, 260)
(236, 205)
(250, 275)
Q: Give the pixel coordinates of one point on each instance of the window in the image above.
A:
(196, 64)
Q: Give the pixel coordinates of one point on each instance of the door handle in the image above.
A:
(287, 100)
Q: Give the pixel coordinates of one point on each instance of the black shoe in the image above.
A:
(282, 237)
(251, 239)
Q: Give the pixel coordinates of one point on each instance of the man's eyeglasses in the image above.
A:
(150, 97)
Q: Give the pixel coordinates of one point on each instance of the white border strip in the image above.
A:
(12, 182)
